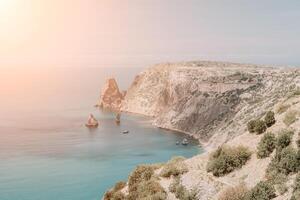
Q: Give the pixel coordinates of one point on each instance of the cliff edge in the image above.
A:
(214, 102)
(201, 98)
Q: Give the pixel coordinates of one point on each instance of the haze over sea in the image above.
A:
(46, 152)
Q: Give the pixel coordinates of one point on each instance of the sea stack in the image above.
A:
(111, 97)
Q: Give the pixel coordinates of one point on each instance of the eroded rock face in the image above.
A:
(200, 98)
(111, 97)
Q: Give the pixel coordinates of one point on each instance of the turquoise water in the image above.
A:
(46, 152)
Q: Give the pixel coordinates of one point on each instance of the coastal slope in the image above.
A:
(214, 101)
(201, 98)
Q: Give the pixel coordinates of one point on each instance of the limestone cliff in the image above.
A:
(213, 101)
(110, 97)
(199, 98)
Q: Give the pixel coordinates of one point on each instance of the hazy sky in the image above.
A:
(141, 32)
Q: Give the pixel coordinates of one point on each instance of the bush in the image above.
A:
(262, 191)
(286, 161)
(181, 192)
(151, 190)
(174, 167)
(226, 159)
(115, 193)
(290, 117)
(234, 193)
(266, 145)
(284, 139)
(251, 126)
(257, 126)
(260, 127)
(140, 174)
(270, 119)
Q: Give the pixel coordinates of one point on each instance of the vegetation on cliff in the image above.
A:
(226, 159)
(266, 145)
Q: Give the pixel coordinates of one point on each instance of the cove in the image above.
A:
(78, 163)
(47, 153)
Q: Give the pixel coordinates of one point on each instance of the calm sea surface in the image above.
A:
(46, 152)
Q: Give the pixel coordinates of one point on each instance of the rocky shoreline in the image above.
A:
(213, 102)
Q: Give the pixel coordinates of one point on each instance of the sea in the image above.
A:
(47, 153)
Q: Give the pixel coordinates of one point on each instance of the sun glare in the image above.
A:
(7, 6)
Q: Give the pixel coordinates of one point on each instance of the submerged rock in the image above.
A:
(111, 97)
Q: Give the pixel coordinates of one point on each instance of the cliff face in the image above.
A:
(110, 97)
(199, 98)
(214, 101)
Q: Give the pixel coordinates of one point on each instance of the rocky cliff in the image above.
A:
(110, 97)
(214, 101)
(200, 98)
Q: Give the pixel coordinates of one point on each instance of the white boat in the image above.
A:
(125, 132)
(185, 142)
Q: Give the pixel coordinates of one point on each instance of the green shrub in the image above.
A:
(251, 126)
(181, 192)
(290, 117)
(274, 177)
(257, 126)
(174, 167)
(140, 174)
(262, 191)
(286, 161)
(270, 119)
(289, 161)
(226, 159)
(284, 139)
(266, 145)
(234, 193)
(260, 127)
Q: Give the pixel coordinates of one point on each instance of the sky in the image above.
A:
(124, 33)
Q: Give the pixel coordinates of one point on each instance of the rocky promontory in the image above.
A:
(111, 97)
(214, 102)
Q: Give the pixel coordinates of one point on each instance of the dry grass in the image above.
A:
(174, 167)
(290, 117)
(282, 108)
(234, 193)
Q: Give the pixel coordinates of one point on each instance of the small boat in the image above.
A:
(125, 132)
(92, 122)
(177, 143)
(185, 142)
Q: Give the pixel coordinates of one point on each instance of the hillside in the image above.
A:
(214, 101)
